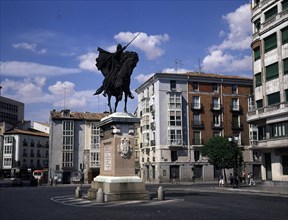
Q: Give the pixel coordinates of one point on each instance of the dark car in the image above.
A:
(17, 182)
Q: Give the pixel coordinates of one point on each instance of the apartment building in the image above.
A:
(179, 112)
(24, 150)
(74, 145)
(268, 113)
(11, 111)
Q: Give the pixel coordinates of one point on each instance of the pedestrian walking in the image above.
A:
(231, 178)
(221, 180)
(251, 180)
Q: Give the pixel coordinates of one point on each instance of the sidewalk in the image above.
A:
(259, 188)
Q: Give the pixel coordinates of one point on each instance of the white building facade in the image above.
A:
(268, 115)
(74, 145)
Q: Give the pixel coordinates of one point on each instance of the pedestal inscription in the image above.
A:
(107, 157)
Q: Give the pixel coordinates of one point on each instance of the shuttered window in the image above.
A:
(286, 95)
(270, 13)
(285, 66)
(272, 71)
(284, 32)
(258, 80)
(259, 103)
(256, 53)
(273, 98)
(270, 42)
(284, 5)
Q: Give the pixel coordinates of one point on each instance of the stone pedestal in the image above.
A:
(117, 176)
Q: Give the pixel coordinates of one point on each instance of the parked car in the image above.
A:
(17, 182)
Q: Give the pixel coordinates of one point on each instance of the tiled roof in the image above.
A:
(27, 132)
(78, 115)
(214, 75)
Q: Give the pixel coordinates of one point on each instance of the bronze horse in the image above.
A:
(117, 79)
(122, 81)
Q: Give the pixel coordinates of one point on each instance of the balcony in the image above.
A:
(269, 111)
(217, 126)
(216, 108)
(198, 124)
(197, 107)
(236, 109)
(237, 126)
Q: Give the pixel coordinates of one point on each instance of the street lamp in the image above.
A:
(234, 142)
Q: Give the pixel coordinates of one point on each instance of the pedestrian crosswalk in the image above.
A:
(71, 200)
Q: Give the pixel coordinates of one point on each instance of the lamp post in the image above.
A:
(234, 142)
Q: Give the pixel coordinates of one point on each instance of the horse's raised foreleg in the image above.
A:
(109, 103)
(125, 102)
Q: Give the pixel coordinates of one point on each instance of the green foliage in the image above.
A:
(221, 153)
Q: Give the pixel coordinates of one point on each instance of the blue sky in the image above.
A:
(48, 48)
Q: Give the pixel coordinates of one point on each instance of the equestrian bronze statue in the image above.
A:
(117, 69)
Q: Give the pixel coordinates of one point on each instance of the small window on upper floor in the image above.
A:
(256, 53)
(215, 87)
(284, 5)
(172, 84)
(234, 89)
(270, 42)
(257, 25)
(195, 86)
(258, 79)
(271, 13)
(284, 35)
(285, 66)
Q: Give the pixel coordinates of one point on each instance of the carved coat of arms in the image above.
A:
(124, 148)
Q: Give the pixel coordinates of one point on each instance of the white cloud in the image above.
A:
(172, 70)
(150, 45)
(65, 88)
(30, 47)
(28, 69)
(218, 61)
(87, 62)
(141, 78)
(226, 57)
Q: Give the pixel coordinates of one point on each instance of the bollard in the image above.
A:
(78, 192)
(161, 193)
(100, 196)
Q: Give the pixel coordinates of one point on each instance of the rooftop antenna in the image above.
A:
(64, 96)
(178, 62)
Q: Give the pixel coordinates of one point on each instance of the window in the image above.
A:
(7, 161)
(272, 71)
(196, 155)
(256, 52)
(256, 2)
(95, 137)
(195, 86)
(95, 159)
(285, 66)
(216, 120)
(234, 89)
(8, 140)
(286, 95)
(172, 84)
(270, 13)
(174, 101)
(257, 25)
(196, 119)
(216, 102)
(175, 137)
(285, 164)
(278, 129)
(8, 149)
(258, 79)
(284, 34)
(235, 121)
(217, 134)
(68, 143)
(196, 102)
(197, 138)
(235, 104)
(215, 87)
(175, 118)
(273, 98)
(284, 5)
(270, 42)
(261, 133)
(259, 103)
(174, 155)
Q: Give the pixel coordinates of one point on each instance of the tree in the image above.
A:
(222, 153)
